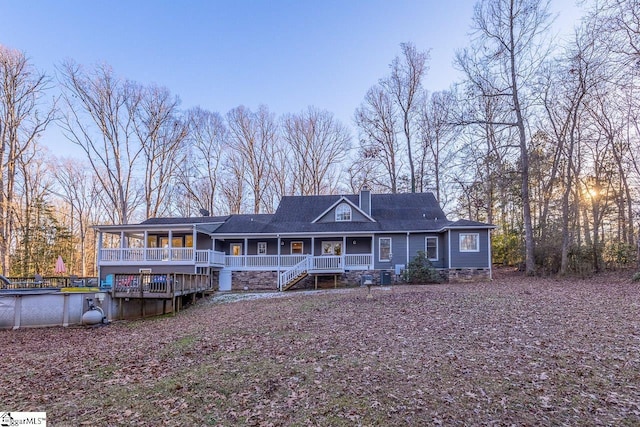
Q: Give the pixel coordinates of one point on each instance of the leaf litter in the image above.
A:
(521, 351)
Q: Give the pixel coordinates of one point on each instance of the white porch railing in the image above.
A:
(242, 262)
(158, 255)
(358, 261)
(296, 270)
(261, 262)
(327, 262)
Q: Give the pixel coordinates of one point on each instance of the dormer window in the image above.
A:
(343, 212)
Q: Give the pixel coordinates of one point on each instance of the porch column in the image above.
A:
(195, 234)
(344, 250)
(373, 252)
(99, 256)
(489, 251)
(170, 245)
(211, 253)
(313, 246)
(246, 249)
(279, 253)
(145, 245)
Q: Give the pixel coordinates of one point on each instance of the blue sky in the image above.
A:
(221, 54)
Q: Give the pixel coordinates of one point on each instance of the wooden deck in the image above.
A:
(160, 286)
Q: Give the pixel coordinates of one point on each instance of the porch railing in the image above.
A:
(141, 255)
(260, 262)
(327, 262)
(295, 271)
(241, 262)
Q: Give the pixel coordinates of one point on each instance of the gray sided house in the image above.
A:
(336, 237)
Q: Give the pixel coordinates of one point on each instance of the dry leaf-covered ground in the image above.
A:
(516, 351)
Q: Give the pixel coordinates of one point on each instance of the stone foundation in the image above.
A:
(254, 281)
(268, 280)
(467, 275)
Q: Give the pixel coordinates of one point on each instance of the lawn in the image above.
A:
(514, 351)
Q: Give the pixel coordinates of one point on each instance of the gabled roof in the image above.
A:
(343, 199)
(392, 213)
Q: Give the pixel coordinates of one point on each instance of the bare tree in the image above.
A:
(377, 123)
(437, 137)
(253, 137)
(405, 86)
(233, 183)
(23, 117)
(162, 133)
(77, 189)
(318, 143)
(509, 45)
(200, 178)
(100, 119)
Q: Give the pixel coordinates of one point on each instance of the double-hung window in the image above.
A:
(431, 246)
(384, 249)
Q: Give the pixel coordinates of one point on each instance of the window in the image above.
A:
(343, 212)
(297, 247)
(469, 242)
(331, 248)
(431, 246)
(262, 248)
(384, 253)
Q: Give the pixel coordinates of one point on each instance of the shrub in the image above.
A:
(619, 255)
(420, 270)
(636, 277)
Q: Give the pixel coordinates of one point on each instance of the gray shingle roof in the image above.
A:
(295, 214)
(185, 220)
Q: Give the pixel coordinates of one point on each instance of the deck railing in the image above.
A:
(240, 262)
(159, 285)
(158, 255)
(327, 262)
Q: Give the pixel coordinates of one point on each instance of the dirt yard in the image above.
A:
(515, 351)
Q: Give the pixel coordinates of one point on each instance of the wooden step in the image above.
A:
(294, 281)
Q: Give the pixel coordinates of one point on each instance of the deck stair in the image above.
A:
(295, 274)
(295, 281)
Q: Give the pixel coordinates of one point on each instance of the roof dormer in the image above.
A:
(343, 210)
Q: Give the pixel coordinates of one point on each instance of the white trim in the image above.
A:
(301, 247)
(341, 200)
(408, 260)
(449, 250)
(489, 251)
(460, 238)
(231, 246)
(390, 249)
(426, 247)
(258, 244)
(333, 247)
(346, 206)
